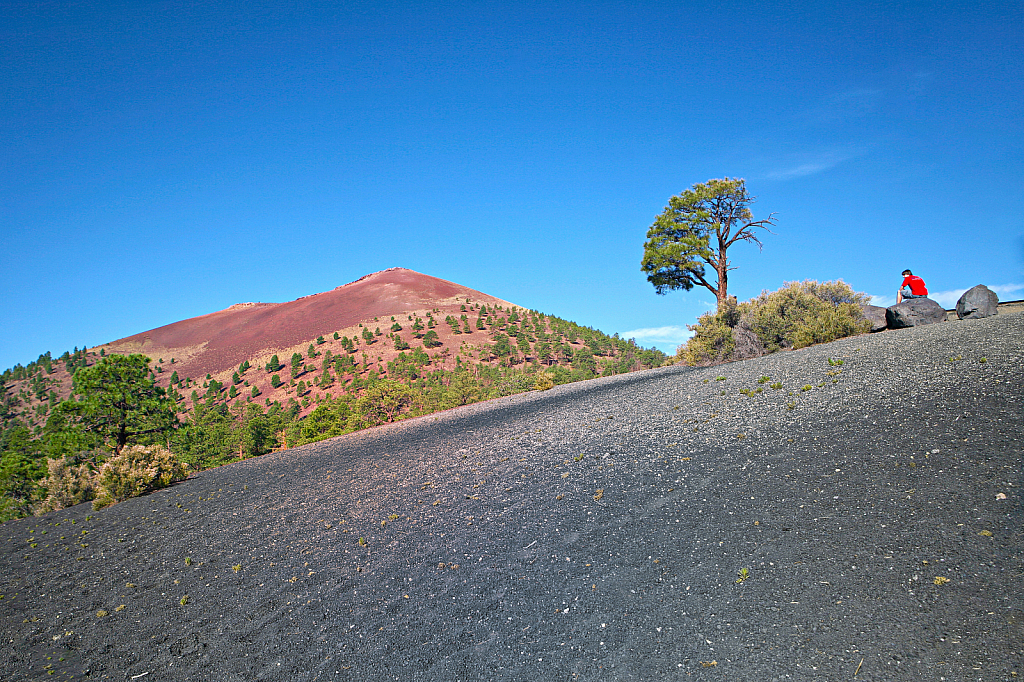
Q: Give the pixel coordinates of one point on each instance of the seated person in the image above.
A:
(912, 287)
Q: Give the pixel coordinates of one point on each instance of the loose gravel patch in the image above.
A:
(846, 511)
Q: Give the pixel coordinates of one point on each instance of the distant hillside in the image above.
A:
(254, 331)
(396, 323)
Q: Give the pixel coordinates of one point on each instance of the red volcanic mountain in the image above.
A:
(220, 341)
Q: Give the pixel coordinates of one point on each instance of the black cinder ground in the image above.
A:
(847, 511)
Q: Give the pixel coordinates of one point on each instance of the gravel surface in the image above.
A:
(658, 525)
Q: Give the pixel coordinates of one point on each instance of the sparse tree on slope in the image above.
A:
(695, 230)
(117, 400)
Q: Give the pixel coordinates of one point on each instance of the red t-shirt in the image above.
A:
(916, 285)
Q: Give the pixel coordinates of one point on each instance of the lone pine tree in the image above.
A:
(696, 230)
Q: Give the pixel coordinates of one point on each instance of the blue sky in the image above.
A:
(164, 160)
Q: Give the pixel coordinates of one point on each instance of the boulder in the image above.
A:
(977, 302)
(914, 312)
(875, 314)
(747, 343)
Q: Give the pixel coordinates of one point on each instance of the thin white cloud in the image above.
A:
(1006, 289)
(801, 170)
(811, 164)
(669, 334)
(883, 301)
(948, 299)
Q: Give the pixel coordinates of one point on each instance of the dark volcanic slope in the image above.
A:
(595, 531)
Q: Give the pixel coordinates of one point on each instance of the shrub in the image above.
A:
(66, 484)
(137, 470)
(543, 382)
(830, 325)
(804, 313)
(712, 340)
(799, 314)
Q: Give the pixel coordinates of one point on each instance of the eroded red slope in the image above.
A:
(221, 340)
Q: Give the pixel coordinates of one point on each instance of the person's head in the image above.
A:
(907, 273)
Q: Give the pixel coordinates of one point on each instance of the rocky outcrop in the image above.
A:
(913, 313)
(977, 302)
(747, 343)
(875, 314)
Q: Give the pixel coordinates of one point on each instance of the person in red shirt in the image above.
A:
(912, 287)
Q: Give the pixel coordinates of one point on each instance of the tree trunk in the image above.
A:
(723, 284)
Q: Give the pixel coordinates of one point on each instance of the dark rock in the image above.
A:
(977, 302)
(875, 314)
(748, 345)
(914, 312)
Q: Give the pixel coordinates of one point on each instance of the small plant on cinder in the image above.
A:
(183, 600)
(806, 387)
(764, 380)
(777, 385)
(743, 575)
(835, 363)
